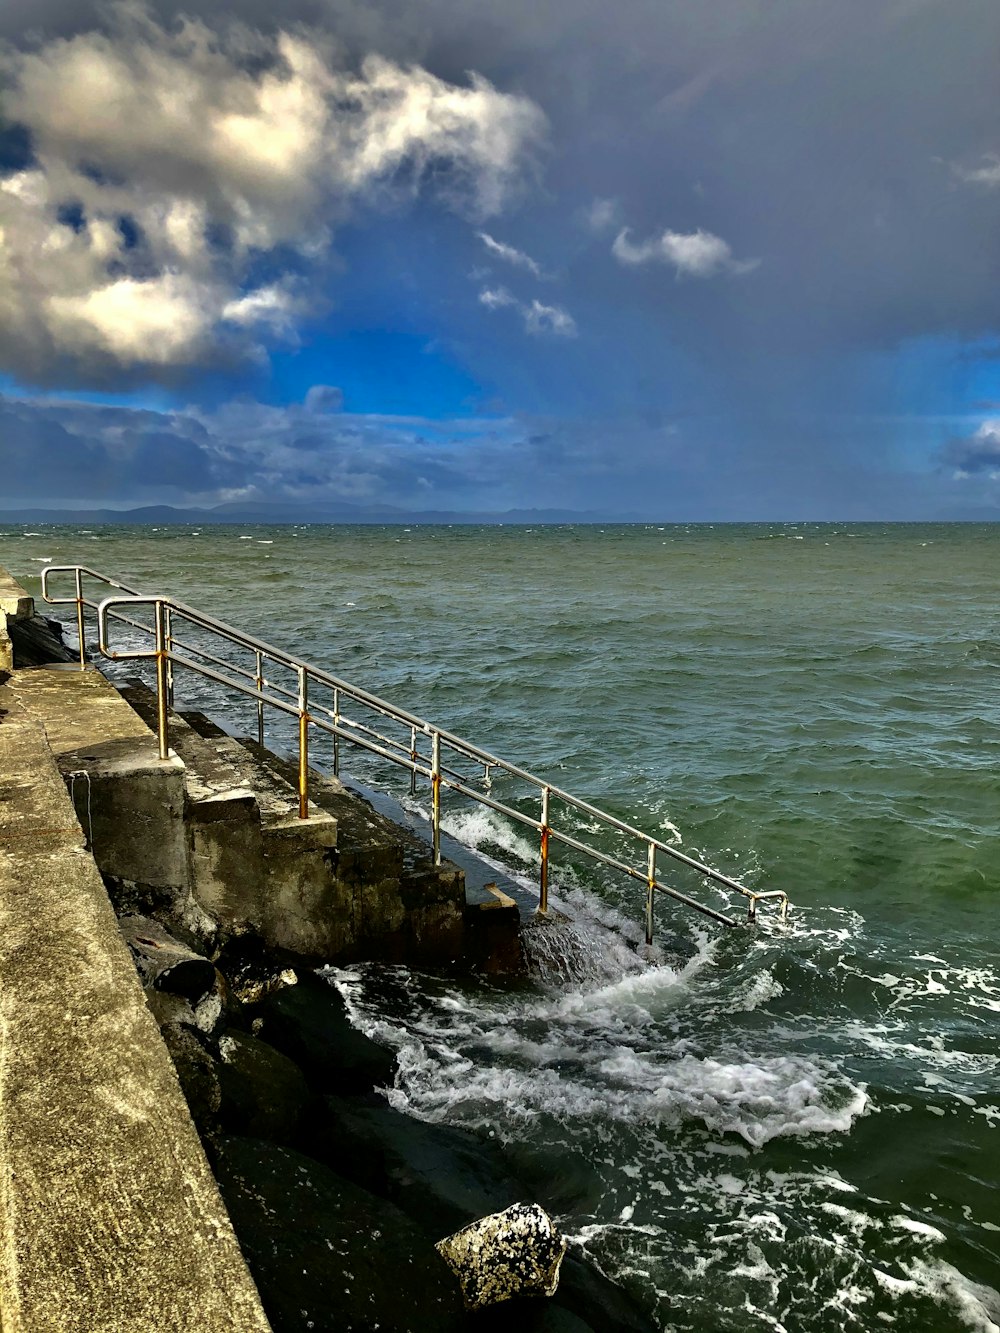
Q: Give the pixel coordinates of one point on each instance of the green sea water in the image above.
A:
(789, 1129)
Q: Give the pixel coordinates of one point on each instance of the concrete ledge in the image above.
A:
(110, 1219)
(14, 601)
(129, 801)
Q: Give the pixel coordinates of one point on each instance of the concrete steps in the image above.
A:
(346, 883)
(396, 904)
(253, 863)
(109, 1216)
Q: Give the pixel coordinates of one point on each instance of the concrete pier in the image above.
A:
(110, 1220)
(110, 1217)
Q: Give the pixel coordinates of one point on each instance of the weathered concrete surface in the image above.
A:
(384, 897)
(109, 1217)
(129, 801)
(14, 601)
(252, 860)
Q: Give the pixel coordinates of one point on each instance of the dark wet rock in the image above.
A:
(516, 1252)
(445, 1177)
(589, 1295)
(537, 1315)
(264, 1094)
(327, 1255)
(38, 641)
(197, 1075)
(252, 970)
(309, 1023)
(163, 962)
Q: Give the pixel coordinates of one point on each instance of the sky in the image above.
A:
(724, 260)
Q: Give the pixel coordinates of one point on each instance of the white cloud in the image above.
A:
(602, 214)
(168, 164)
(510, 255)
(696, 254)
(988, 175)
(538, 318)
(494, 298)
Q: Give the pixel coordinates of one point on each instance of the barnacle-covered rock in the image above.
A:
(513, 1253)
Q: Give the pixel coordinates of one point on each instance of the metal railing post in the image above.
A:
(259, 682)
(543, 877)
(336, 737)
(168, 632)
(413, 761)
(650, 891)
(436, 795)
(303, 744)
(161, 680)
(79, 618)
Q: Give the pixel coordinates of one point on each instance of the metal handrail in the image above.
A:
(169, 651)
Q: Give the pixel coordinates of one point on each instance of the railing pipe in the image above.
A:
(336, 734)
(169, 650)
(436, 795)
(80, 634)
(259, 682)
(400, 752)
(161, 679)
(303, 743)
(650, 890)
(543, 873)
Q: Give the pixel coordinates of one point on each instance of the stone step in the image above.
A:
(253, 862)
(401, 905)
(109, 1214)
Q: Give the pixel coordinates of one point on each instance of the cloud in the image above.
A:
(978, 453)
(510, 255)
(602, 215)
(696, 254)
(324, 398)
(538, 318)
(987, 175)
(495, 298)
(171, 171)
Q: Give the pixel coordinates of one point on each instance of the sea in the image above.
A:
(789, 1126)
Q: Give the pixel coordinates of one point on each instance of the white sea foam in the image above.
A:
(977, 1306)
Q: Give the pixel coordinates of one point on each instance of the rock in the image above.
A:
(264, 1094)
(513, 1253)
(445, 1177)
(37, 641)
(326, 1255)
(163, 962)
(309, 1023)
(196, 1072)
(588, 1294)
(442, 1176)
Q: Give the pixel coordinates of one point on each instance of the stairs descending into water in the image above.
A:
(343, 884)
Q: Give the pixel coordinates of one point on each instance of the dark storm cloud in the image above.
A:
(820, 135)
(848, 147)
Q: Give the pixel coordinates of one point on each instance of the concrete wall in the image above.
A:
(110, 1219)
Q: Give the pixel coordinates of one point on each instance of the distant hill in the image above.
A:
(262, 512)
